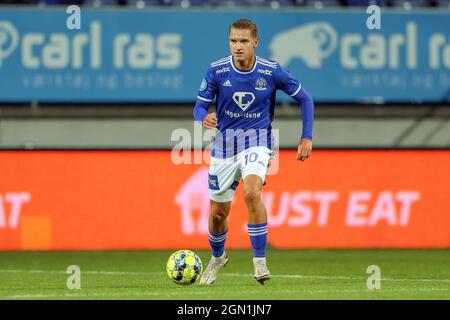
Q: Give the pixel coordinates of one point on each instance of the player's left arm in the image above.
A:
(293, 88)
(306, 102)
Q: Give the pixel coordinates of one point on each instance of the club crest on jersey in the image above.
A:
(204, 85)
(243, 99)
(261, 84)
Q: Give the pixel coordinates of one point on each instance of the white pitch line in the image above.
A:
(296, 276)
(113, 273)
(290, 276)
(208, 292)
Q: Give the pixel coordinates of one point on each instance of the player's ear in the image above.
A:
(256, 42)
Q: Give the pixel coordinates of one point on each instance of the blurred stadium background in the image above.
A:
(88, 119)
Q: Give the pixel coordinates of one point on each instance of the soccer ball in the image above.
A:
(184, 267)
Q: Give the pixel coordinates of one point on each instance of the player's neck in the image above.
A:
(245, 65)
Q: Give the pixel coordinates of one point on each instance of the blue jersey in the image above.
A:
(245, 101)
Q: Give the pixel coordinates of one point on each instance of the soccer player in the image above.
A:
(244, 86)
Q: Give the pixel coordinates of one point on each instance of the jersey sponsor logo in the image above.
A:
(261, 84)
(227, 83)
(265, 71)
(243, 99)
(223, 70)
(321, 38)
(204, 85)
(246, 115)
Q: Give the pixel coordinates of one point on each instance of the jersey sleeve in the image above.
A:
(208, 87)
(286, 82)
(307, 106)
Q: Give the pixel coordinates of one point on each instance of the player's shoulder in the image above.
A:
(267, 63)
(220, 63)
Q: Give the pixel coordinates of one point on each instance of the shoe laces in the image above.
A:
(261, 267)
(215, 262)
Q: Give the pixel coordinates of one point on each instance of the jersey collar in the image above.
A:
(242, 71)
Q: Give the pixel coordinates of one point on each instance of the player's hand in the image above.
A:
(210, 121)
(304, 149)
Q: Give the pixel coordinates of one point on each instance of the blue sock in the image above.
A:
(258, 238)
(217, 243)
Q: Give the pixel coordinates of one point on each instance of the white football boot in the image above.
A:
(262, 273)
(214, 265)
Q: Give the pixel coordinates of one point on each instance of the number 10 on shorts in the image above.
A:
(252, 157)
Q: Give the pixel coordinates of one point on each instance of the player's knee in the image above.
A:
(252, 195)
(218, 215)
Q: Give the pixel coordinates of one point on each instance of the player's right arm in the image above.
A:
(206, 94)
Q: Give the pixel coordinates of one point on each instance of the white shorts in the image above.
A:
(225, 173)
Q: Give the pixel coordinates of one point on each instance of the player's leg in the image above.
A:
(254, 165)
(222, 184)
(256, 211)
(257, 225)
(218, 229)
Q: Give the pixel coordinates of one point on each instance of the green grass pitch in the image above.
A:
(297, 274)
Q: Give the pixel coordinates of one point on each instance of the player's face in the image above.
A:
(242, 44)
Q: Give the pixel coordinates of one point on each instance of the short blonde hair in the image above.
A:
(245, 24)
